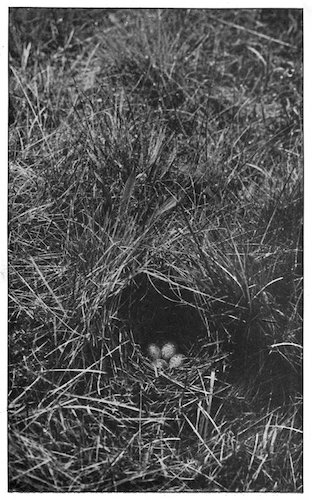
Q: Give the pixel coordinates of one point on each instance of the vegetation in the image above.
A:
(155, 192)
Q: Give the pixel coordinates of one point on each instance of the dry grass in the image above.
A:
(155, 192)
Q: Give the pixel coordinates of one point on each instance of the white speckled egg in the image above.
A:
(153, 351)
(160, 364)
(176, 361)
(168, 350)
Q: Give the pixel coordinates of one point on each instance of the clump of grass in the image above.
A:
(155, 191)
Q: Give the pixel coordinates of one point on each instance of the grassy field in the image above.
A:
(155, 193)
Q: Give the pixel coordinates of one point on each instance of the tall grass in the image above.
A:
(155, 192)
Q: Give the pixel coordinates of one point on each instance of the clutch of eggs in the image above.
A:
(165, 357)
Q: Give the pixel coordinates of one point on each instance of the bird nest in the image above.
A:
(160, 312)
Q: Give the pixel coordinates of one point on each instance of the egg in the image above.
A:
(168, 350)
(153, 351)
(160, 364)
(176, 361)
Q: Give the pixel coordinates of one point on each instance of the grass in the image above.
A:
(155, 192)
